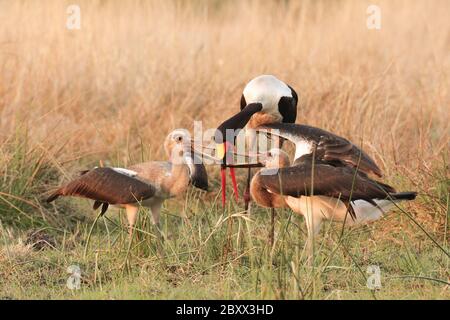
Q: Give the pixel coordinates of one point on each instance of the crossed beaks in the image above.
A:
(224, 157)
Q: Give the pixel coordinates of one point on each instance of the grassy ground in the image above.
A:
(112, 90)
(210, 255)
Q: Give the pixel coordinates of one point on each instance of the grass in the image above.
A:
(111, 91)
(195, 264)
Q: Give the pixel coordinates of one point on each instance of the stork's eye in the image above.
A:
(179, 138)
(269, 154)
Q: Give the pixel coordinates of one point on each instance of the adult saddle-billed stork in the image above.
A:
(265, 99)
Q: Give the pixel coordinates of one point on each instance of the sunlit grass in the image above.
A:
(136, 70)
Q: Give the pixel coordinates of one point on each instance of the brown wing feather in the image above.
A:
(334, 148)
(106, 185)
(328, 146)
(338, 182)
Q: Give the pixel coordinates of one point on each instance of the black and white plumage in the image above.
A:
(265, 99)
(277, 99)
(146, 184)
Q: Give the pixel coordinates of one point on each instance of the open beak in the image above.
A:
(225, 137)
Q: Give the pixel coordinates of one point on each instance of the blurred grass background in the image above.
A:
(136, 70)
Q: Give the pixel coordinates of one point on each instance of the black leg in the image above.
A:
(247, 190)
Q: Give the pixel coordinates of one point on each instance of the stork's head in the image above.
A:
(179, 149)
(274, 158)
(227, 132)
(177, 145)
(265, 99)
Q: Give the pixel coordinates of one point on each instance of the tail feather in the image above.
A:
(53, 196)
(410, 195)
(60, 191)
(97, 204)
(386, 188)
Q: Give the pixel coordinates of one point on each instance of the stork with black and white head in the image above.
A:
(324, 161)
(265, 100)
(146, 184)
(277, 119)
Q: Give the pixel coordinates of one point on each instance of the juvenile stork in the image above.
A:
(321, 191)
(146, 184)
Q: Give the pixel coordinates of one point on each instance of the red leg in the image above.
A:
(233, 180)
(224, 186)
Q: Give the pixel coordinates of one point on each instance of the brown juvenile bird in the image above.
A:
(146, 184)
(320, 191)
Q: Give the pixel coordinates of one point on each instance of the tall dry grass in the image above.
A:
(138, 69)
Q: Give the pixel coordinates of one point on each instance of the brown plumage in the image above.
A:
(321, 191)
(325, 146)
(106, 185)
(308, 177)
(145, 184)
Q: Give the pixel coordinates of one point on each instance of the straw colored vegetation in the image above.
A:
(111, 91)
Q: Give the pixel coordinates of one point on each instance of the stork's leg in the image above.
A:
(272, 226)
(156, 213)
(131, 217)
(247, 191)
(313, 224)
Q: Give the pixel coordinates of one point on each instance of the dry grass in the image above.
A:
(138, 69)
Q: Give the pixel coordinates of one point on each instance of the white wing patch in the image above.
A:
(302, 147)
(126, 172)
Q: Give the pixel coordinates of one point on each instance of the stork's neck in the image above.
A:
(261, 118)
(263, 197)
(177, 181)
